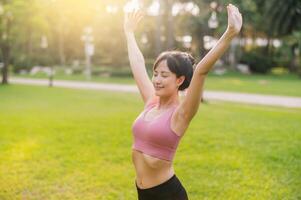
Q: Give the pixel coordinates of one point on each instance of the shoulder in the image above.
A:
(151, 102)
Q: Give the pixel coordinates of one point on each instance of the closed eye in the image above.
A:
(164, 75)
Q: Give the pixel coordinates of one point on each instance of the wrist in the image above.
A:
(129, 33)
(229, 35)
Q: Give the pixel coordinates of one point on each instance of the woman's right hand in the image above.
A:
(131, 20)
(234, 20)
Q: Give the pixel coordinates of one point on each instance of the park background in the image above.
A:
(58, 143)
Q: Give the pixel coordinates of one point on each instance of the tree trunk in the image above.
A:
(61, 38)
(169, 24)
(201, 35)
(293, 67)
(202, 50)
(29, 47)
(6, 56)
(158, 46)
(62, 47)
(5, 48)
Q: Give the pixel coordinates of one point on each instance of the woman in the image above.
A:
(159, 128)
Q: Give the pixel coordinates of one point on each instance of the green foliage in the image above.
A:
(279, 71)
(258, 62)
(63, 23)
(283, 16)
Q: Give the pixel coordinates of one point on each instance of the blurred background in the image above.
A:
(85, 37)
(62, 143)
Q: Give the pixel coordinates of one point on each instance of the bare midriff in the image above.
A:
(151, 171)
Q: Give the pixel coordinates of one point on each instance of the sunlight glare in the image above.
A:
(154, 8)
(131, 6)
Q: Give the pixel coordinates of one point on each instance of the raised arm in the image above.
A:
(190, 104)
(137, 62)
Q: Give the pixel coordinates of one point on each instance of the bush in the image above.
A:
(258, 62)
(279, 71)
(18, 69)
(112, 72)
(122, 73)
(99, 71)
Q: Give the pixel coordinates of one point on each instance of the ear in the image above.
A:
(180, 80)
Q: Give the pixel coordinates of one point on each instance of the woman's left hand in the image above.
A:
(131, 20)
(234, 20)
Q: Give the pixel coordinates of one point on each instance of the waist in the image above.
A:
(146, 184)
(150, 171)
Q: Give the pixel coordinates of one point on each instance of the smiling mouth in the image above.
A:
(158, 87)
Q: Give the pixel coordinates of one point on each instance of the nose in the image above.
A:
(156, 80)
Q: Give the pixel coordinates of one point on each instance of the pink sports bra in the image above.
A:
(155, 137)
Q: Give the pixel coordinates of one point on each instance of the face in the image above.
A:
(165, 82)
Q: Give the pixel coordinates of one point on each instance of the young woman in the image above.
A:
(159, 128)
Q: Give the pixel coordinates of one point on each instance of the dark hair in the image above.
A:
(180, 63)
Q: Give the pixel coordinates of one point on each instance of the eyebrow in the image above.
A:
(166, 72)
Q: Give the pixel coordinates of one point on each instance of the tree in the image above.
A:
(16, 19)
(5, 38)
(283, 21)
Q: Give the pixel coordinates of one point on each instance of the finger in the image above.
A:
(134, 14)
(139, 14)
(131, 15)
(237, 18)
(237, 13)
(139, 18)
(240, 17)
(236, 9)
(136, 20)
(128, 15)
(232, 8)
(228, 10)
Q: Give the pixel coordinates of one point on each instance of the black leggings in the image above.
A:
(171, 189)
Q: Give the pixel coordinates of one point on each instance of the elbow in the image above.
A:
(202, 71)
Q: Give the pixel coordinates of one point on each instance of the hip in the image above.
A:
(171, 189)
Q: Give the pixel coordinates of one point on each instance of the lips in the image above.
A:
(158, 87)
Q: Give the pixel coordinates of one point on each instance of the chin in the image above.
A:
(159, 93)
(162, 93)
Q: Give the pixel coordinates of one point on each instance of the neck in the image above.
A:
(166, 102)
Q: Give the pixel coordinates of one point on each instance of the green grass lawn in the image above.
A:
(288, 85)
(232, 81)
(75, 144)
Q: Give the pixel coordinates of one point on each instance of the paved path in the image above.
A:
(284, 101)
